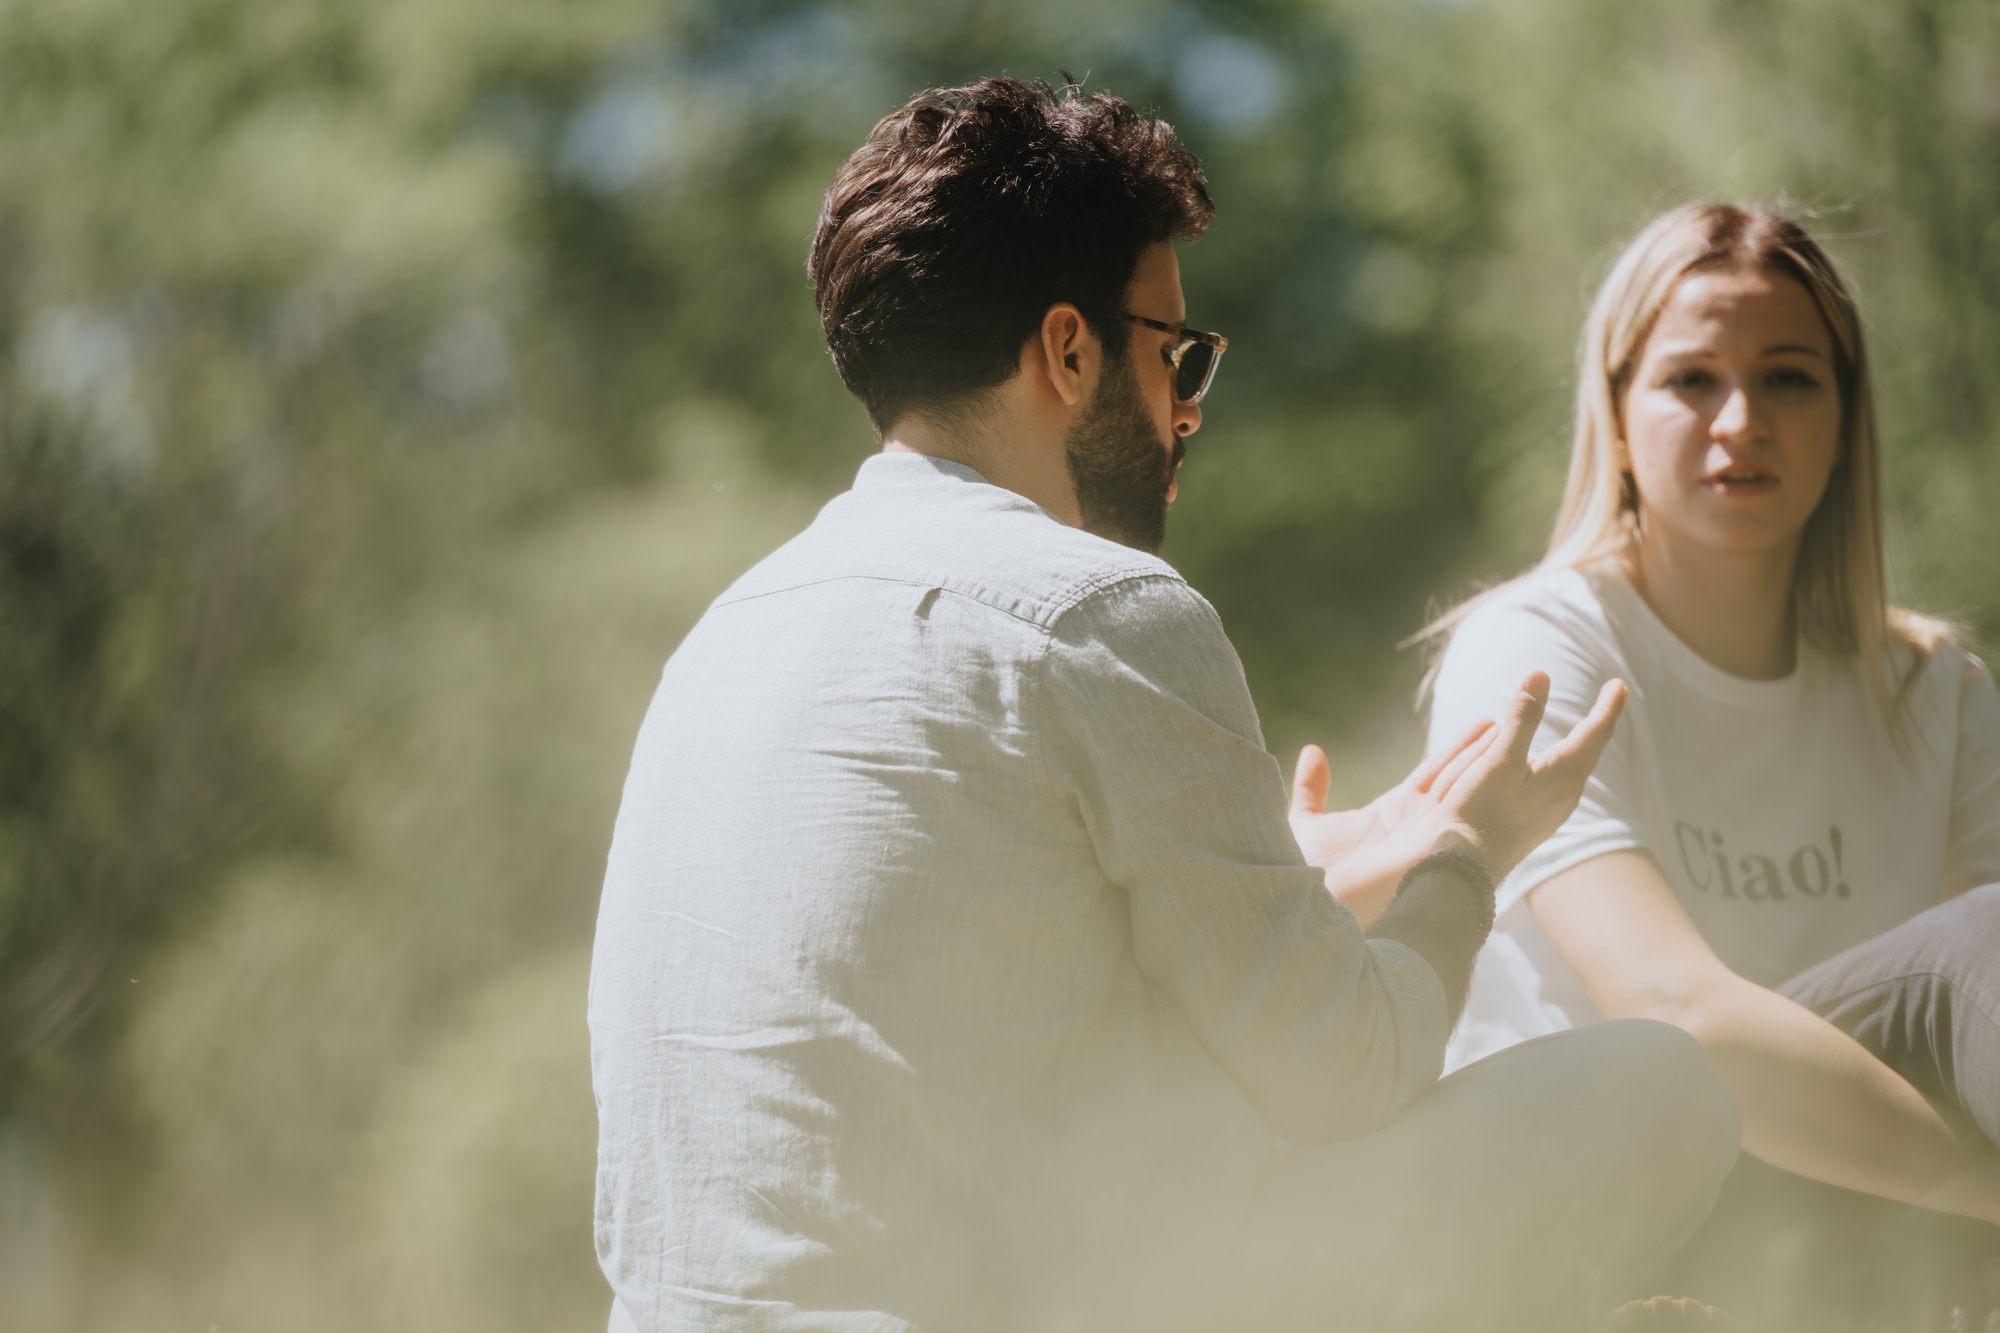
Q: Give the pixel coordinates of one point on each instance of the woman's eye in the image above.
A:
(1790, 377)
(1689, 379)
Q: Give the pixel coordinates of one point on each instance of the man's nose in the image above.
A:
(1187, 419)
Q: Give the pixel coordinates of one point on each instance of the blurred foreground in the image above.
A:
(387, 386)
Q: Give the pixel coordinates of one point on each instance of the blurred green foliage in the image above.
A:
(385, 385)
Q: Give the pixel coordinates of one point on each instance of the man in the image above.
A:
(957, 968)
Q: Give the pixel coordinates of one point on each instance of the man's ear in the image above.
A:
(1070, 355)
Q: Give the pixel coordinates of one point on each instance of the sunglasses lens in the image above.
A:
(1197, 365)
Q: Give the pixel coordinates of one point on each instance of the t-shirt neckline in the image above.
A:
(1690, 665)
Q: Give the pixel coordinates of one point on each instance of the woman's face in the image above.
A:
(1732, 418)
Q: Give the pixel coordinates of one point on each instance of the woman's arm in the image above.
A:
(1814, 1101)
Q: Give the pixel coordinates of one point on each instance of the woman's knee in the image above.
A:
(1959, 939)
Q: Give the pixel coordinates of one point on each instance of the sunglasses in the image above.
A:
(1194, 356)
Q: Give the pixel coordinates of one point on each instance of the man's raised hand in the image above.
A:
(1482, 791)
(1505, 803)
(1406, 817)
(1365, 852)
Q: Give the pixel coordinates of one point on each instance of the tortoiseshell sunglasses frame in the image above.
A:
(1187, 338)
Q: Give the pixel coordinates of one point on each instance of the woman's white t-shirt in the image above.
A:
(1780, 811)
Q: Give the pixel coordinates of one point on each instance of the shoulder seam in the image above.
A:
(727, 600)
(1104, 582)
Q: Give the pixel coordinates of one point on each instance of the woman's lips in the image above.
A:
(1739, 481)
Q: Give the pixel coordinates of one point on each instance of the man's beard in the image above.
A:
(1119, 465)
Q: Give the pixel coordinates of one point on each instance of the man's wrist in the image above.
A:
(1443, 908)
(1478, 844)
(1453, 856)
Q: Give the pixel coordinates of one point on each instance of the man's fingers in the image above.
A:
(1311, 781)
(1586, 743)
(1610, 704)
(1463, 760)
(1424, 774)
(1524, 715)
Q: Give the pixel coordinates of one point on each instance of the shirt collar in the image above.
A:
(903, 469)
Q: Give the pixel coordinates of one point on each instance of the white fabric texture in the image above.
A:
(955, 966)
(1779, 811)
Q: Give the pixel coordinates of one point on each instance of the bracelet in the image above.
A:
(1457, 863)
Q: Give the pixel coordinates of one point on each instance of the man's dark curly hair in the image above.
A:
(968, 213)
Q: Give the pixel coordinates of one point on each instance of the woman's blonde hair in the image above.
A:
(1838, 587)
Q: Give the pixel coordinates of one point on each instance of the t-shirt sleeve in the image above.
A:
(1489, 656)
(1149, 726)
(1975, 786)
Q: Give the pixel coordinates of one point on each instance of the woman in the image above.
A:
(1775, 851)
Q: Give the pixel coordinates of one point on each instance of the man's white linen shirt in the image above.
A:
(955, 963)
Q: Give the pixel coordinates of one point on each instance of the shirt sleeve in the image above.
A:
(1488, 658)
(1975, 786)
(1150, 728)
